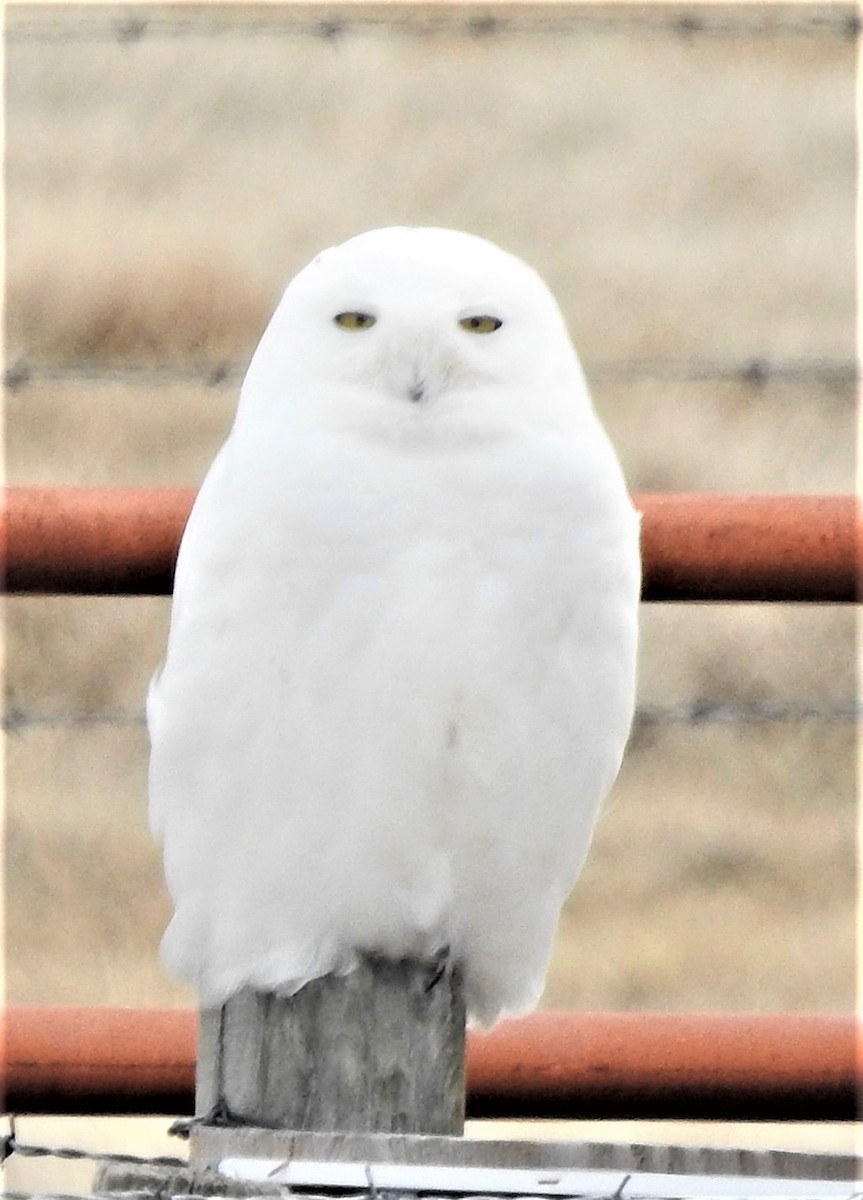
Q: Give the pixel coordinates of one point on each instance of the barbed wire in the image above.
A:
(753, 712)
(10, 1145)
(16, 1194)
(480, 20)
(756, 371)
(185, 1194)
(22, 375)
(191, 1183)
(185, 1186)
(693, 712)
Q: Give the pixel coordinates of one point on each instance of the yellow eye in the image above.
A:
(354, 320)
(480, 324)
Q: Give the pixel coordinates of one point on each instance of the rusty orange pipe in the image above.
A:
(728, 1066)
(91, 541)
(743, 1066)
(718, 547)
(97, 1060)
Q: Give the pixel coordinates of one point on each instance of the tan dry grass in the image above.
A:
(683, 198)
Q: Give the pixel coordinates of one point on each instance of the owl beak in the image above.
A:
(417, 393)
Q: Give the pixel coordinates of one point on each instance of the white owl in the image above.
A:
(400, 671)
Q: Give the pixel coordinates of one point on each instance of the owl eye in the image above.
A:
(480, 324)
(354, 320)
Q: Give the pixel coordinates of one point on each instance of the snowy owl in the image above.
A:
(400, 671)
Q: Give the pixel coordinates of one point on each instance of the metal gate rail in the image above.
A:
(696, 546)
(723, 1066)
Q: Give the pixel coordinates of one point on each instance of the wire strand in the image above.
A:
(76, 1154)
(137, 1194)
(756, 372)
(702, 711)
(484, 21)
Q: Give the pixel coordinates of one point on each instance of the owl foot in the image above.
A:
(439, 967)
(219, 1115)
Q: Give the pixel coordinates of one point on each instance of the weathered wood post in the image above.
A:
(380, 1050)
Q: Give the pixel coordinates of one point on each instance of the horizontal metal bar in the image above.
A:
(726, 1066)
(453, 1163)
(92, 541)
(371, 1178)
(709, 546)
(704, 546)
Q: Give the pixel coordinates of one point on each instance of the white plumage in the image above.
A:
(400, 671)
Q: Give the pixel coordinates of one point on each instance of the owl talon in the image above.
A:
(440, 966)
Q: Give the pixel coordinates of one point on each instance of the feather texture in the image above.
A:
(400, 671)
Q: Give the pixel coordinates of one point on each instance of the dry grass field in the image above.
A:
(688, 197)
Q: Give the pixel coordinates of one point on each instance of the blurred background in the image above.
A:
(684, 180)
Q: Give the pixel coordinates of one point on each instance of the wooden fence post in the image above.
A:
(378, 1050)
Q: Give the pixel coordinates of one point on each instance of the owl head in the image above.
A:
(413, 332)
